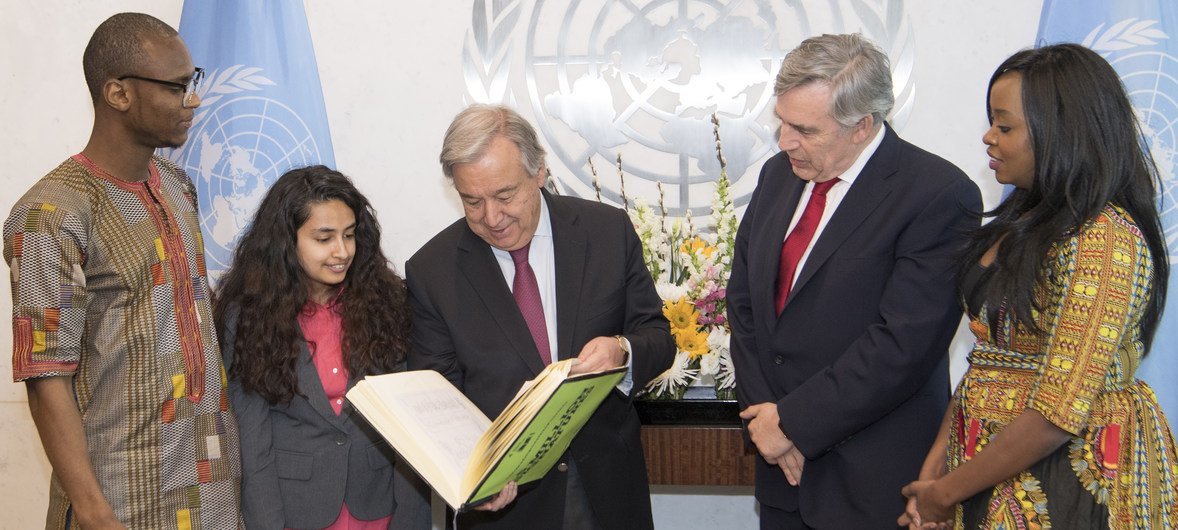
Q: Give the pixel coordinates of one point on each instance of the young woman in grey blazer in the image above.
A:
(310, 306)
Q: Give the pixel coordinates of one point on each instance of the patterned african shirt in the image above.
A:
(1118, 469)
(109, 287)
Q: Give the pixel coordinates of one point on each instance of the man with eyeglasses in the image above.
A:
(112, 326)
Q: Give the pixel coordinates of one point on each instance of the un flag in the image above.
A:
(1140, 39)
(261, 111)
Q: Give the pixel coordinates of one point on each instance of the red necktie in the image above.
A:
(797, 241)
(527, 295)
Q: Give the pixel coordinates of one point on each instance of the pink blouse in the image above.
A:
(323, 329)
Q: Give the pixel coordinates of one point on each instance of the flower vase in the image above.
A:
(725, 394)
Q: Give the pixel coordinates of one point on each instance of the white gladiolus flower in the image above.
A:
(709, 364)
(726, 378)
(719, 339)
(671, 292)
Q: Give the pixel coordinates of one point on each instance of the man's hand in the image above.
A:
(500, 500)
(107, 521)
(59, 423)
(774, 446)
(791, 463)
(601, 353)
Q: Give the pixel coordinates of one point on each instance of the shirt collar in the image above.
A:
(544, 225)
(333, 303)
(852, 172)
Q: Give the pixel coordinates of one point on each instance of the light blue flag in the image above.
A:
(1140, 39)
(261, 111)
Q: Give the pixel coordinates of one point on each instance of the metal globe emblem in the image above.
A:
(641, 79)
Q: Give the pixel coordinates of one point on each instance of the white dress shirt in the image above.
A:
(544, 265)
(833, 197)
(541, 258)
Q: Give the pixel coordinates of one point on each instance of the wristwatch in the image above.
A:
(625, 345)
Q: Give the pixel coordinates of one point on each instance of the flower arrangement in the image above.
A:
(690, 271)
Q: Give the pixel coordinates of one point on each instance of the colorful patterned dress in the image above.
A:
(109, 287)
(1117, 471)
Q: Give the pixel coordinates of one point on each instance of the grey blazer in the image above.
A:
(300, 461)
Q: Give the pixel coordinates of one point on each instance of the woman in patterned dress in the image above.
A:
(309, 307)
(1049, 428)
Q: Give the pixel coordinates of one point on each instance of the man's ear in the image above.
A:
(115, 95)
(861, 131)
(542, 175)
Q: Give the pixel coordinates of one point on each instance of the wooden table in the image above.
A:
(695, 444)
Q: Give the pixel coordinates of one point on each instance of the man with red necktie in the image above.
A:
(527, 278)
(842, 300)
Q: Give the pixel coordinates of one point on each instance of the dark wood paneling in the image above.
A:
(697, 456)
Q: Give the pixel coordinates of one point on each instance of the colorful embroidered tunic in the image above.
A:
(108, 286)
(1118, 469)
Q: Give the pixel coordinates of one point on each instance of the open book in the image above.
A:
(465, 457)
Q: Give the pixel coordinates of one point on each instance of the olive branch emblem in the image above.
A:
(231, 80)
(1124, 35)
(487, 50)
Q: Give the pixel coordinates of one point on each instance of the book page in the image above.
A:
(453, 429)
(427, 420)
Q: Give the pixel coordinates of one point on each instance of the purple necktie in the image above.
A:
(527, 295)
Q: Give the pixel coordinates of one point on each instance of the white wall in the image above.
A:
(392, 80)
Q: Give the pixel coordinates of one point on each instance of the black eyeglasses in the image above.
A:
(189, 88)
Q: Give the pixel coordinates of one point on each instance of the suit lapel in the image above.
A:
(568, 248)
(312, 387)
(478, 264)
(768, 242)
(870, 189)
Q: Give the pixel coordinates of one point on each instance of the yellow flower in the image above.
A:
(681, 313)
(696, 244)
(692, 341)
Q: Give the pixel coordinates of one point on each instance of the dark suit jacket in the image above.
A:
(300, 461)
(468, 327)
(857, 362)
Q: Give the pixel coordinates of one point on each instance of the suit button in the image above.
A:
(779, 360)
(562, 467)
(340, 440)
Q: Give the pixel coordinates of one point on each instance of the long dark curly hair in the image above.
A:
(1089, 152)
(266, 287)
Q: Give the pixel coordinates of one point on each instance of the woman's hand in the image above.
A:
(925, 508)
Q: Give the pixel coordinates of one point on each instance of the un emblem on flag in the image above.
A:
(1149, 78)
(240, 143)
(1149, 74)
(642, 78)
